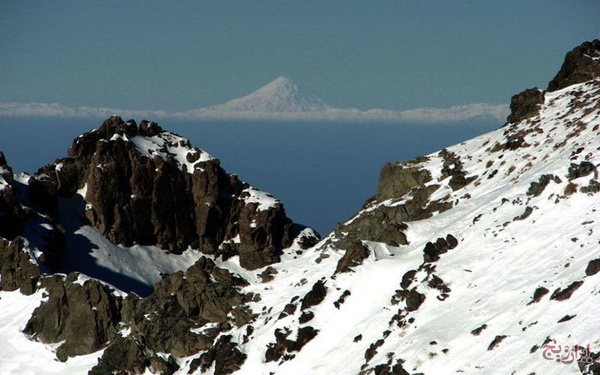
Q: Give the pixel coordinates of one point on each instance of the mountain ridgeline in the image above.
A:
(147, 186)
(475, 259)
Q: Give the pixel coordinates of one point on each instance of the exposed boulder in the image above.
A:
(581, 64)
(537, 187)
(497, 340)
(452, 167)
(128, 356)
(263, 233)
(395, 180)
(283, 344)
(433, 250)
(524, 105)
(83, 315)
(315, 296)
(593, 267)
(413, 299)
(539, 294)
(17, 269)
(226, 356)
(383, 224)
(564, 294)
(354, 256)
(12, 214)
(580, 170)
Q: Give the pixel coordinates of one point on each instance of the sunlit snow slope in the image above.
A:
(510, 243)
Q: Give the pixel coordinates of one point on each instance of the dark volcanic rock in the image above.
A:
(138, 191)
(353, 257)
(433, 250)
(453, 168)
(183, 301)
(226, 356)
(525, 105)
(581, 64)
(128, 356)
(593, 267)
(263, 233)
(539, 294)
(395, 180)
(497, 340)
(414, 300)
(564, 294)
(580, 170)
(12, 214)
(16, 268)
(537, 187)
(315, 296)
(84, 316)
(282, 344)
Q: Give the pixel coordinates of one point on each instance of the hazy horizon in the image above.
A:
(392, 55)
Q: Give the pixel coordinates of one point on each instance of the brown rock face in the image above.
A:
(12, 215)
(396, 180)
(581, 64)
(16, 269)
(166, 320)
(525, 105)
(84, 316)
(140, 189)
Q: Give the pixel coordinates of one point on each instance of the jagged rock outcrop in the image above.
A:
(147, 186)
(17, 269)
(183, 316)
(12, 214)
(581, 64)
(396, 180)
(82, 314)
(524, 105)
(126, 356)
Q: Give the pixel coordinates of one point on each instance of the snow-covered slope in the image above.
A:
(475, 313)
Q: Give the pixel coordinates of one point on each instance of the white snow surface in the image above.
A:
(264, 200)
(168, 144)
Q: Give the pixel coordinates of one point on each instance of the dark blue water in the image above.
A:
(323, 172)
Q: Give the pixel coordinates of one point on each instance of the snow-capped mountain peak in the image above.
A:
(280, 95)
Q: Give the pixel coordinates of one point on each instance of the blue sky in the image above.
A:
(191, 54)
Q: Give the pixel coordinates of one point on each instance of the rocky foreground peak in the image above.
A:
(481, 258)
(143, 185)
(581, 64)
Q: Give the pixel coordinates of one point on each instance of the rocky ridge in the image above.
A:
(143, 185)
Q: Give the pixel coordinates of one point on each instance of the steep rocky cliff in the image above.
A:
(143, 185)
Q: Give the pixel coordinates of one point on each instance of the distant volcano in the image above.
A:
(280, 100)
(280, 95)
